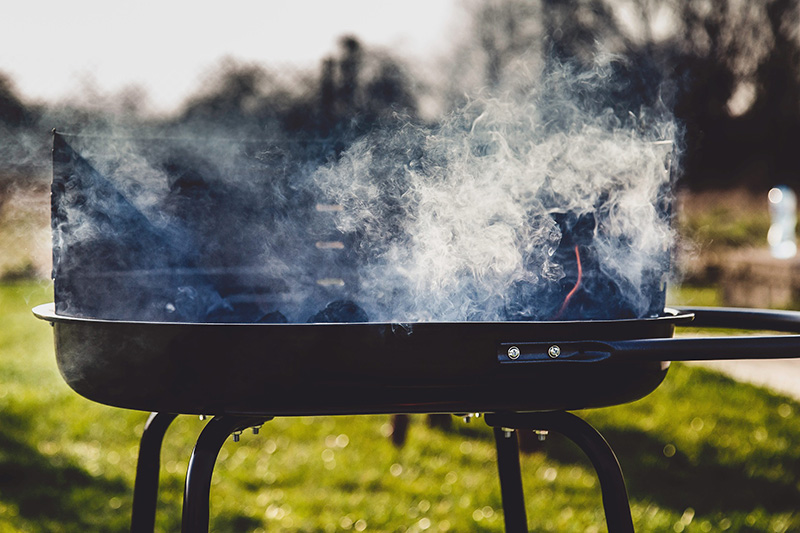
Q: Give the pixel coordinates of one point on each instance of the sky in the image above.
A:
(57, 49)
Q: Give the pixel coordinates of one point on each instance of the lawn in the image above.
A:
(702, 453)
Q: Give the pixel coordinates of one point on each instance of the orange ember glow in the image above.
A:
(575, 288)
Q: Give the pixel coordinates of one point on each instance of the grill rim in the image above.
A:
(678, 317)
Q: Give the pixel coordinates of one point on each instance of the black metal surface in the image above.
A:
(681, 349)
(145, 488)
(201, 467)
(297, 369)
(510, 474)
(588, 439)
(422, 367)
(745, 318)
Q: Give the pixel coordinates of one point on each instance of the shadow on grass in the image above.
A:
(52, 491)
(678, 482)
(708, 483)
(235, 522)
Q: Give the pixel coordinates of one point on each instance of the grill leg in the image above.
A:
(201, 467)
(145, 487)
(510, 481)
(588, 439)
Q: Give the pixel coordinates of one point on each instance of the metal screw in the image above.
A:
(236, 435)
(542, 434)
(508, 432)
(202, 417)
(554, 351)
(513, 352)
(256, 429)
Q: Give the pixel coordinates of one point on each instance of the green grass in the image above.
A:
(701, 453)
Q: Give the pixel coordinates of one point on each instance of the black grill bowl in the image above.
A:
(338, 368)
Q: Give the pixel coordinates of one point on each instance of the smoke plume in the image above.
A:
(477, 218)
(540, 203)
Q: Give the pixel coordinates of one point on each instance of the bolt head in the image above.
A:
(513, 352)
(554, 351)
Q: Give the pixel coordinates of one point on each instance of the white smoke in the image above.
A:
(453, 219)
(480, 217)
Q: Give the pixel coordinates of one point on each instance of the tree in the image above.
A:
(730, 70)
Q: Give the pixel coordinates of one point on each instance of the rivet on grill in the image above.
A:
(507, 432)
(554, 351)
(513, 352)
(236, 435)
(542, 434)
(256, 429)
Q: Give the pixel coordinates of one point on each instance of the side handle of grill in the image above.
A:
(728, 347)
(677, 349)
(744, 318)
(707, 348)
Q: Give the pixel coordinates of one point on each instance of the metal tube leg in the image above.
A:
(612, 484)
(511, 491)
(145, 486)
(201, 467)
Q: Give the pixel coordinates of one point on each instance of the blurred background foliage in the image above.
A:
(730, 70)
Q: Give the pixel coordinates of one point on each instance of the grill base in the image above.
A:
(201, 466)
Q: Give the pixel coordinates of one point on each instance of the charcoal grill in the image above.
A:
(523, 374)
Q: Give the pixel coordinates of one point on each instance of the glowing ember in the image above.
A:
(575, 288)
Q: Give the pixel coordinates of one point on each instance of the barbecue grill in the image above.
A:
(245, 362)
(523, 375)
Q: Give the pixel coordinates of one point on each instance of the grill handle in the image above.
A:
(723, 348)
(707, 348)
(744, 318)
(677, 349)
